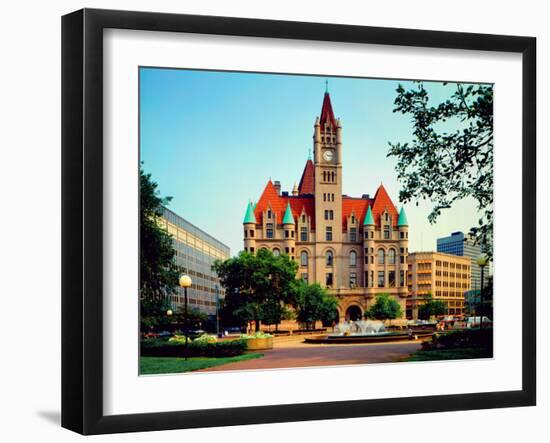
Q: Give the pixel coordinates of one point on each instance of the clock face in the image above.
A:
(328, 155)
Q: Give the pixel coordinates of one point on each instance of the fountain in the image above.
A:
(359, 328)
(365, 331)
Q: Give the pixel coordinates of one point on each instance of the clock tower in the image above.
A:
(327, 147)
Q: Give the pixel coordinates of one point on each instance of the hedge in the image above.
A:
(467, 338)
(164, 348)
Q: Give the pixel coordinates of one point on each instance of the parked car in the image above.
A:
(233, 329)
(473, 322)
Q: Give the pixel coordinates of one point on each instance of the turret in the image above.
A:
(289, 227)
(295, 190)
(368, 246)
(403, 228)
(249, 224)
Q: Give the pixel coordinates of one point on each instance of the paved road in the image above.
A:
(294, 354)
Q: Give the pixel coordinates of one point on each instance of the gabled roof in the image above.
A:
(279, 204)
(307, 182)
(382, 201)
(249, 216)
(327, 114)
(288, 219)
(356, 205)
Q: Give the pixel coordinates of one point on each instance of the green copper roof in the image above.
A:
(288, 219)
(249, 216)
(402, 218)
(369, 219)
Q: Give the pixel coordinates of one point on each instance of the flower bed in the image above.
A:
(258, 341)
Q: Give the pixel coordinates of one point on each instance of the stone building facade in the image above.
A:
(445, 277)
(356, 247)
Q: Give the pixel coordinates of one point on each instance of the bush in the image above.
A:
(179, 339)
(205, 338)
(166, 348)
(469, 338)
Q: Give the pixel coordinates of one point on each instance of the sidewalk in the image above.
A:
(294, 354)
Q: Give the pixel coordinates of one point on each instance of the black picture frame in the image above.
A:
(82, 219)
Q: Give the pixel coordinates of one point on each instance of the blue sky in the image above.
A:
(212, 139)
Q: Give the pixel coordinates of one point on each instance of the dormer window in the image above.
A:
(353, 219)
(269, 213)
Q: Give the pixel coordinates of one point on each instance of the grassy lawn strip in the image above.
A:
(449, 354)
(174, 365)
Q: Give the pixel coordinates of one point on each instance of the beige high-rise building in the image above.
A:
(442, 276)
(356, 247)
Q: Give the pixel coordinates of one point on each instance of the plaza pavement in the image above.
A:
(291, 352)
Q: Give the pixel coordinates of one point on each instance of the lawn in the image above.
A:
(174, 365)
(450, 354)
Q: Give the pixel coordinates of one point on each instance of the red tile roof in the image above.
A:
(326, 111)
(359, 206)
(356, 205)
(382, 201)
(307, 182)
(278, 203)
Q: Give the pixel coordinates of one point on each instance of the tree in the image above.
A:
(385, 308)
(274, 312)
(431, 308)
(451, 155)
(158, 274)
(195, 318)
(255, 283)
(153, 313)
(313, 303)
(487, 308)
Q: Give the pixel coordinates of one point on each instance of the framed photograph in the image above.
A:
(269, 221)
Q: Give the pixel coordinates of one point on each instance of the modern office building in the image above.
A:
(355, 246)
(463, 245)
(195, 253)
(445, 277)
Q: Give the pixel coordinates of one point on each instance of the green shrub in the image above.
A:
(205, 338)
(179, 339)
(166, 348)
(258, 334)
(468, 338)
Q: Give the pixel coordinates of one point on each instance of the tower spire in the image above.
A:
(326, 86)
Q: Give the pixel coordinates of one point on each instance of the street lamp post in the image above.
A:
(218, 311)
(185, 282)
(482, 261)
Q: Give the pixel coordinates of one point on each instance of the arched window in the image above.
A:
(353, 258)
(380, 256)
(276, 252)
(324, 176)
(391, 256)
(303, 258)
(330, 258)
